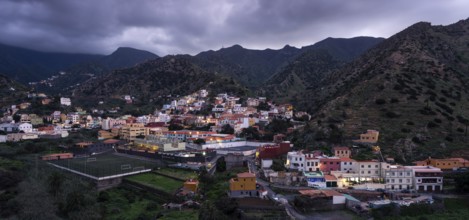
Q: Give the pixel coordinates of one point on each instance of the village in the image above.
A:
(199, 132)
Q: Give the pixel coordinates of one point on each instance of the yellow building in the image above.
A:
(191, 185)
(102, 135)
(342, 152)
(244, 185)
(130, 131)
(371, 136)
(444, 164)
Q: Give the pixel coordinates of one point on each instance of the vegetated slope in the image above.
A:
(316, 62)
(24, 65)
(11, 92)
(149, 81)
(249, 67)
(413, 88)
(75, 75)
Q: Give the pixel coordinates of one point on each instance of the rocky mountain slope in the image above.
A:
(412, 87)
(311, 66)
(149, 81)
(11, 92)
(74, 75)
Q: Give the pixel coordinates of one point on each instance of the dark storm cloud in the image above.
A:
(181, 26)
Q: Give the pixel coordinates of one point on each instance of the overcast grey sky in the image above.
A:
(186, 26)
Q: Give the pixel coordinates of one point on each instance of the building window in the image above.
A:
(363, 166)
(369, 172)
(369, 166)
(376, 166)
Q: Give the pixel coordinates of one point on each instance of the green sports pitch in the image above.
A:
(104, 165)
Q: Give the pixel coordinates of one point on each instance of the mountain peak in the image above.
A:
(130, 50)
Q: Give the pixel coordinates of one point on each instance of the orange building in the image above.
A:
(191, 185)
(244, 185)
(444, 164)
(371, 136)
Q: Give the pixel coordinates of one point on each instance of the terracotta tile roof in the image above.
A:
(341, 148)
(330, 178)
(246, 174)
(346, 159)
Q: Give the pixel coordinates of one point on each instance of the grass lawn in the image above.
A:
(156, 181)
(178, 173)
(181, 215)
(105, 164)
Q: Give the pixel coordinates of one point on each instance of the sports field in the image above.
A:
(105, 165)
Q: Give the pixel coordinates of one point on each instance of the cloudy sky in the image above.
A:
(186, 26)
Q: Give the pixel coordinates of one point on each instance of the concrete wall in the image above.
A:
(338, 200)
(234, 144)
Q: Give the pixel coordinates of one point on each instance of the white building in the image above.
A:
(29, 136)
(25, 127)
(312, 164)
(65, 101)
(296, 161)
(427, 178)
(73, 117)
(203, 93)
(3, 138)
(399, 178)
(372, 169)
(218, 108)
(348, 165)
(266, 163)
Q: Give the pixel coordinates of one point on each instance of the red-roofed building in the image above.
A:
(327, 165)
(335, 197)
(273, 151)
(156, 125)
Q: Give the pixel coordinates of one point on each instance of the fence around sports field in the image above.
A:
(104, 166)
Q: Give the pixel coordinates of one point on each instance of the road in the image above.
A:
(272, 195)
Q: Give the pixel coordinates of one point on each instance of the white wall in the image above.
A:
(233, 144)
(266, 163)
(338, 199)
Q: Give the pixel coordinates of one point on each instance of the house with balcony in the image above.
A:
(427, 178)
(398, 178)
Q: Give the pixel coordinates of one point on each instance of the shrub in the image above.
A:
(449, 138)
(432, 124)
(410, 123)
(394, 100)
(392, 114)
(437, 120)
(380, 101)
(460, 130)
(405, 130)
